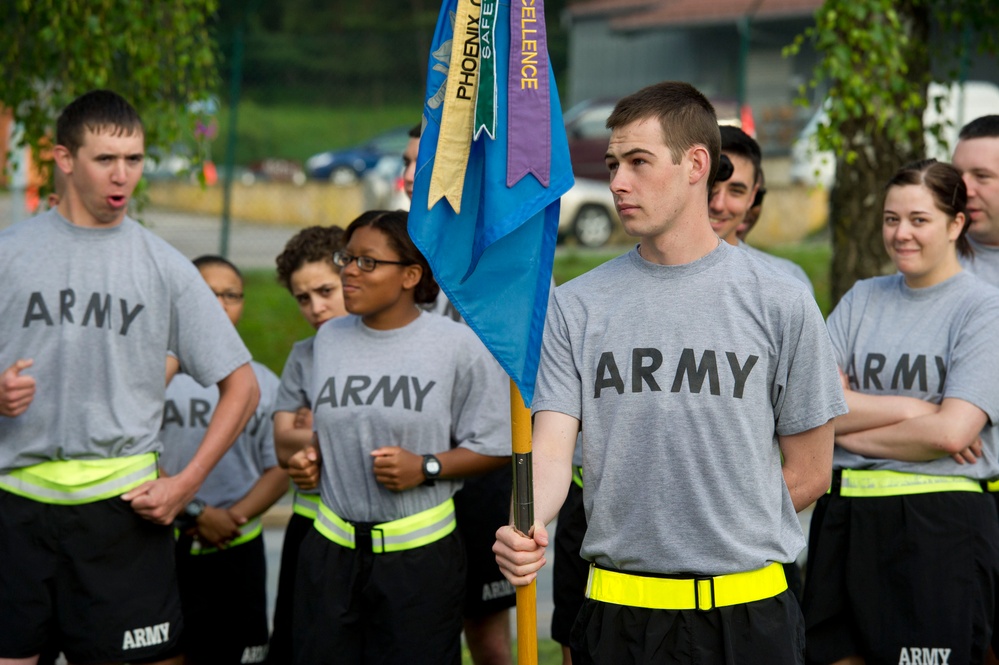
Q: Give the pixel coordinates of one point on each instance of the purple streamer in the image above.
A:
(528, 106)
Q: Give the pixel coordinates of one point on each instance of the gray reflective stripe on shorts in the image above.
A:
(344, 535)
(111, 487)
(388, 541)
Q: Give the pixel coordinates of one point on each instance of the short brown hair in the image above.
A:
(949, 192)
(686, 116)
(96, 111)
(312, 244)
(394, 225)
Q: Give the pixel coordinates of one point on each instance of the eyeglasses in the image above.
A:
(365, 263)
(229, 297)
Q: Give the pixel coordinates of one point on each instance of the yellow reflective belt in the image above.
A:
(993, 485)
(72, 482)
(662, 593)
(247, 532)
(866, 483)
(398, 535)
(306, 505)
(577, 475)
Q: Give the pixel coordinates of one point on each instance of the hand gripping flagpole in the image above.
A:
(523, 520)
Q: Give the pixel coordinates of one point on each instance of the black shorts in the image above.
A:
(482, 506)
(569, 570)
(94, 579)
(280, 649)
(902, 575)
(361, 607)
(995, 621)
(224, 596)
(767, 631)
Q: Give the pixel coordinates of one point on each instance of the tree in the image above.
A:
(875, 58)
(158, 55)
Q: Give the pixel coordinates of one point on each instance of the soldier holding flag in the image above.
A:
(693, 370)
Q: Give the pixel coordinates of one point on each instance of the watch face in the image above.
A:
(433, 466)
(195, 508)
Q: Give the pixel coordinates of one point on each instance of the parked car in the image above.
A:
(162, 164)
(586, 129)
(588, 213)
(275, 169)
(383, 185)
(960, 104)
(346, 165)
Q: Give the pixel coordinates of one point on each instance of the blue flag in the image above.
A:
(493, 260)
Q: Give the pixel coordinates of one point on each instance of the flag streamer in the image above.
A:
(529, 143)
(485, 102)
(459, 107)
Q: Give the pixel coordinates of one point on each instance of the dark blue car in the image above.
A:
(347, 165)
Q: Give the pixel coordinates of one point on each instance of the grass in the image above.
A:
(549, 653)
(271, 322)
(814, 256)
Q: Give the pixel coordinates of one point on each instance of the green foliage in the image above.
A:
(158, 55)
(343, 52)
(875, 61)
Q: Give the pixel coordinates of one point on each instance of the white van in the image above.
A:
(961, 104)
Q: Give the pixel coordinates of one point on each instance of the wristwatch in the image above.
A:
(431, 469)
(193, 510)
(188, 517)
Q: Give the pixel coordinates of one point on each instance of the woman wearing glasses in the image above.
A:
(406, 404)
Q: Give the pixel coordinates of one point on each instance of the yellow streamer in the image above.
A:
(455, 141)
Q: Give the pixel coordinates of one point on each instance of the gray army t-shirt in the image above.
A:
(925, 343)
(188, 410)
(682, 378)
(427, 387)
(296, 385)
(296, 378)
(984, 264)
(98, 309)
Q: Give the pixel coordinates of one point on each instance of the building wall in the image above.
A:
(608, 63)
(603, 63)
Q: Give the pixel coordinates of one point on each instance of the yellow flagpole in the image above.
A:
(523, 512)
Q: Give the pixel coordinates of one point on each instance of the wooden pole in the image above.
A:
(523, 513)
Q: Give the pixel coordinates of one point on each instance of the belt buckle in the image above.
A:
(702, 586)
(381, 538)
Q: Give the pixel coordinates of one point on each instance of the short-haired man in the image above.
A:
(691, 368)
(732, 199)
(92, 305)
(977, 156)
